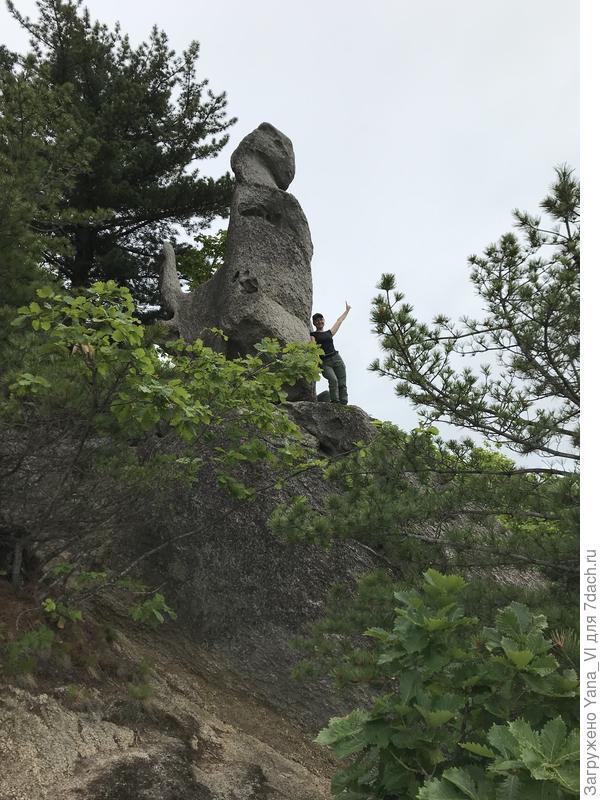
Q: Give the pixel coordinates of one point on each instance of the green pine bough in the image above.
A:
(522, 390)
(101, 149)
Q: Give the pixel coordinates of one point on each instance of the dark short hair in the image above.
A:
(315, 317)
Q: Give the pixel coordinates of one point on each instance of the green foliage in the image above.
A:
(418, 500)
(40, 144)
(113, 375)
(530, 286)
(23, 654)
(97, 403)
(526, 764)
(195, 265)
(60, 629)
(145, 119)
(335, 645)
(450, 680)
(60, 613)
(567, 646)
(152, 611)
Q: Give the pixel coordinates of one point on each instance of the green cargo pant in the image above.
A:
(334, 369)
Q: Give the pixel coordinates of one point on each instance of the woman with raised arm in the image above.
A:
(332, 364)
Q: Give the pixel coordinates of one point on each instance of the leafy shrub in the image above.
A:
(153, 611)
(524, 764)
(60, 634)
(453, 680)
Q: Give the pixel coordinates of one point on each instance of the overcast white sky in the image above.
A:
(417, 128)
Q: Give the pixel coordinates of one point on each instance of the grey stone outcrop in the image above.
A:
(264, 287)
(193, 741)
(335, 428)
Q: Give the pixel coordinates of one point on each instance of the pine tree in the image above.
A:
(148, 122)
(41, 145)
(528, 399)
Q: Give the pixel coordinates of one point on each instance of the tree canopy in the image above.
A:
(141, 120)
(40, 149)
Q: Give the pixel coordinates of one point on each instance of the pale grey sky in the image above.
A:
(417, 128)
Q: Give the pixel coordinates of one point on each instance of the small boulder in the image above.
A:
(336, 428)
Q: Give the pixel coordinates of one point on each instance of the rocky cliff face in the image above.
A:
(225, 721)
(204, 735)
(239, 590)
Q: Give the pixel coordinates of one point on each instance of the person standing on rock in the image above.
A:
(332, 364)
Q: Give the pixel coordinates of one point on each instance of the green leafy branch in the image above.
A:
(449, 681)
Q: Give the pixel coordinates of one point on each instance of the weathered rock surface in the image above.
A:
(202, 736)
(265, 156)
(239, 590)
(336, 428)
(37, 733)
(264, 287)
(226, 721)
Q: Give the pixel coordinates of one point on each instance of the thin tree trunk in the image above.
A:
(84, 256)
(16, 576)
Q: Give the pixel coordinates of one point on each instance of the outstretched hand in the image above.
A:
(347, 307)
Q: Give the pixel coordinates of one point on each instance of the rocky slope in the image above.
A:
(221, 718)
(205, 734)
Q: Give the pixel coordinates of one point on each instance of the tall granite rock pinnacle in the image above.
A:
(264, 287)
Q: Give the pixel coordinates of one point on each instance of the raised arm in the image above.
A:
(336, 325)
